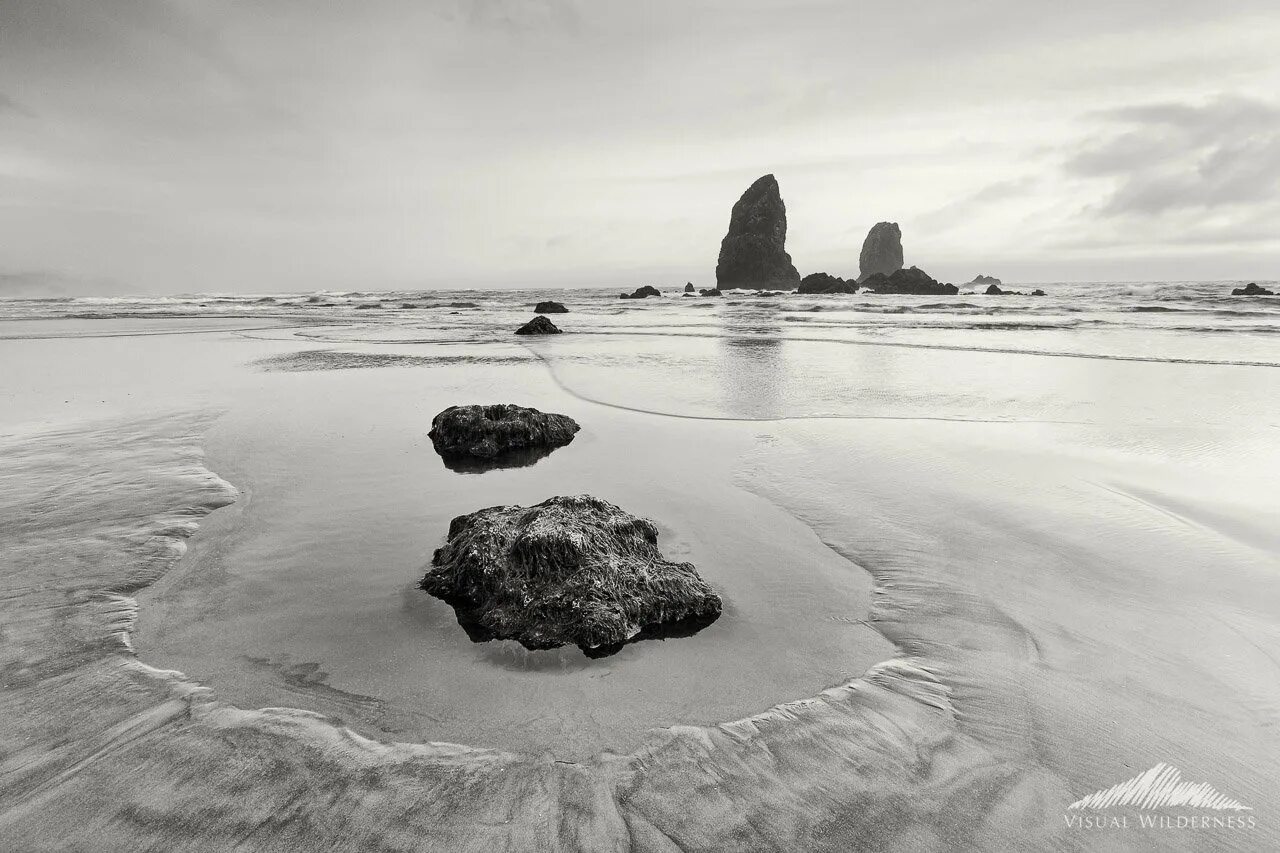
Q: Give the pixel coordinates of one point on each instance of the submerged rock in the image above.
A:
(1252, 289)
(568, 571)
(912, 281)
(985, 279)
(820, 282)
(753, 252)
(496, 432)
(538, 326)
(881, 251)
(641, 292)
(550, 308)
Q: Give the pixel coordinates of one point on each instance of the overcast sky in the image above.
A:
(193, 145)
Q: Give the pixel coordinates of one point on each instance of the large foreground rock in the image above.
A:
(913, 281)
(539, 325)
(881, 251)
(753, 253)
(820, 282)
(499, 433)
(568, 571)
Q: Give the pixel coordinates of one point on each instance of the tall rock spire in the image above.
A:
(881, 251)
(753, 252)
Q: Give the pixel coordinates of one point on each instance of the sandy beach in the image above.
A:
(964, 586)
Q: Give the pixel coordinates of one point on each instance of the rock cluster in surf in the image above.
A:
(881, 251)
(490, 432)
(820, 282)
(753, 252)
(1252, 289)
(913, 281)
(641, 292)
(568, 571)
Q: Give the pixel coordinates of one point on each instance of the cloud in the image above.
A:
(1177, 156)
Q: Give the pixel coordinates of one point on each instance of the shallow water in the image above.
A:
(1041, 531)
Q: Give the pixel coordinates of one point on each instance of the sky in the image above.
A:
(174, 146)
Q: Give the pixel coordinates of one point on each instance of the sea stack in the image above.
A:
(753, 253)
(881, 251)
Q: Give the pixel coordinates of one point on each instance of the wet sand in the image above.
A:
(1067, 588)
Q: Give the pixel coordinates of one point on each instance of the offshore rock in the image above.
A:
(568, 571)
(753, 252)
(503, 433)
(641, 292)
(688, 287)
(550, 307)
(538, 326)
(1252, 289)
(913, 281)
(985, 279)
(820, 282)
(881, 251)
(711, 291)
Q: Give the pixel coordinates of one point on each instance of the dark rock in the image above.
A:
(568, 571)
(550, 308)
(641, 292)
(713, 291)
(994, 290)
(881, 251)
(753, 251)
(411, 305)
(985, 279)
(1037, 292)
(820, 282)
(500, 435)
(365, 306)
(911, 281)
(689, 288)
(462, 305)
(1252, 289)
(538, 326)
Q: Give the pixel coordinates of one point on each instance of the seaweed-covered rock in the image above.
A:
(494, 433)
(820, 282)
(753, 252)
(568, 571)
(881, 251)
(641, 292)
(913, 281)
(538, 326)
(1252, 289)
(550, 307)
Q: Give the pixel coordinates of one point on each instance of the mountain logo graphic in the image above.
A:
(1160, 787)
